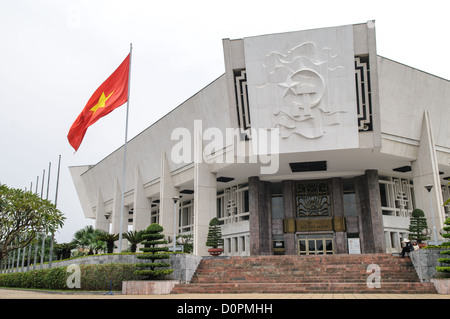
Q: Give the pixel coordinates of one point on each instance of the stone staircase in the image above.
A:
(305, 274)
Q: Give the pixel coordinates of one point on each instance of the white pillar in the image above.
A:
(387, 238)
(141, 206)
(205, 197)
(426, 172)
(396, 241)
(100, 220)
(167, 192)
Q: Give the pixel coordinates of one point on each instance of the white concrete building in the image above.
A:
(309, 143)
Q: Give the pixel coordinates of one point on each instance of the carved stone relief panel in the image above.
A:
(303, 83)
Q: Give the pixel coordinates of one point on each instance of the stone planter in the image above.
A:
(442, 285)
(215, 251)
(148, 287)
(425, 262)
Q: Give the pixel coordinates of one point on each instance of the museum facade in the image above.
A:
(309, 143)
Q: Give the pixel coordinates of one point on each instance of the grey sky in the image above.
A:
(55, 53)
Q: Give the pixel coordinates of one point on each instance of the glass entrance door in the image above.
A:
(322, 244)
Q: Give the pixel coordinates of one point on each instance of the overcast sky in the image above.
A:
(55, 53)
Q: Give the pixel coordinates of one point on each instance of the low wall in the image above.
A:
(442, 285)
(425, 262)
(148, 287)
(183, 265)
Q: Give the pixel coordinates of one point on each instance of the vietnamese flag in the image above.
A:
(109, 96)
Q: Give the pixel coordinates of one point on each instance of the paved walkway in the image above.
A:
(33, 294)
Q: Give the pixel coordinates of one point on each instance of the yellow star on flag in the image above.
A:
(101, 102)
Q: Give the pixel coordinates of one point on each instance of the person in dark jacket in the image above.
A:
(408, 247)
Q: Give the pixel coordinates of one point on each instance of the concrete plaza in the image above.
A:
(34, 294)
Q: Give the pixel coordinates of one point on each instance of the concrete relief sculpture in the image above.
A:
(303, 84)
(300, 78)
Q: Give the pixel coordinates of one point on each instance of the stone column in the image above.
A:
(337, 199)
(371, 220)
(375, 210)
(387, 239)
(260, 217)
(289, 212)
(395, 243)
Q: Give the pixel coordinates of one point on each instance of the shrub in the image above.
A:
(98, 276)
(109, 239)
(93, 277)
(445, 262)
(134, 238)
(53, 278)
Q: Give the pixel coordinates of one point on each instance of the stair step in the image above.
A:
(300, 274)
(319, 287)
(305, 280)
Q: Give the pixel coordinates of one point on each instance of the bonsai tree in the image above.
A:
(214, 239)
(186, 241)
(445, 262)
(417, 224)
(154, 269)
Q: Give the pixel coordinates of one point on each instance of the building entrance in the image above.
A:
(319, 244)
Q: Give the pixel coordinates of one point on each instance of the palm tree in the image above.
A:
(134, 238)
(63, 250)
(88, 238)
(109, 239)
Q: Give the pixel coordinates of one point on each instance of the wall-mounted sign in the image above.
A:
(354, 246)
(314, 225)
(336, 224)
(278, 244)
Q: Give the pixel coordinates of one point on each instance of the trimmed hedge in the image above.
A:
(54, 278)
(93, 277)
(97, 277)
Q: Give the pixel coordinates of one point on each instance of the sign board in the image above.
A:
(278, 244)
(314, 225)
(354, 246)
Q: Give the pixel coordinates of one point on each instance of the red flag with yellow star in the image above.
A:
(109, 96)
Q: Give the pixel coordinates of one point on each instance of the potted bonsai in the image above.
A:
(418, 227)
(214, 239)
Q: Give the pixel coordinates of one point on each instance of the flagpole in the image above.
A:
(50, 258)
(125, 154)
